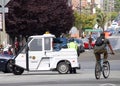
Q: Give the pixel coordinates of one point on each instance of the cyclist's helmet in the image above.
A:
(102, 35)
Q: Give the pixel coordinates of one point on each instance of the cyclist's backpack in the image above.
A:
(99, 41)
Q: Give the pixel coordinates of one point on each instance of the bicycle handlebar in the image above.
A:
(111, 53)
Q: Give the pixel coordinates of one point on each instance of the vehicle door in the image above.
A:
(37, 54)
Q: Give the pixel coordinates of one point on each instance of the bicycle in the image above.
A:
(102, 67)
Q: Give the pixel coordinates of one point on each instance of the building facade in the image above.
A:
(105, 5)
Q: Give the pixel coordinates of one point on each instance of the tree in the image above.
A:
(84, 20)
(29, 17)
(112, 15)
(101, 19)
(117, 5)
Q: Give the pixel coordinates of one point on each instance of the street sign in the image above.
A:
(5, 9)
(4, 2)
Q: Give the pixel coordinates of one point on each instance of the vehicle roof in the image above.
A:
(42, 36)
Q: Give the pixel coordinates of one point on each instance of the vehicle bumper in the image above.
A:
(2, 66)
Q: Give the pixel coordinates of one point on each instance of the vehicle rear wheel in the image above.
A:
(63, 68)
(17, 70)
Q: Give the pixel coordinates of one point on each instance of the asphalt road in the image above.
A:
(84, 77)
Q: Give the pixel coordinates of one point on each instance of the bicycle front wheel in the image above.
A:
(97, 71)
(106, 69)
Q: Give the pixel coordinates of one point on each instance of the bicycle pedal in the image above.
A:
(104, 65)
(105, 62)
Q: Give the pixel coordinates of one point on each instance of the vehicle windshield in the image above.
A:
(23, 49)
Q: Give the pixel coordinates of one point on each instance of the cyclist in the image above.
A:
(98, 50)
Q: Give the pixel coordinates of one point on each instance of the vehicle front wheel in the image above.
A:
(8, 68)
(17, 70)
(63, 68)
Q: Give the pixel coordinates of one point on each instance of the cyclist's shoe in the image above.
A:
(105, 63)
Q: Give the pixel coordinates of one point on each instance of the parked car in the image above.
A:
(86, 42)
(4, 63)
(114, 25)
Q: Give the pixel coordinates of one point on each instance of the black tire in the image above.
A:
(106, 69)
(97, 71)
(8, 68)
(17, 70)
(63, 68)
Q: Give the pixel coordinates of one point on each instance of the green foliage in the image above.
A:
(101, 18)
(78, 21)
(117, 5)
(89, 21)
(83, 21)
(112, 15)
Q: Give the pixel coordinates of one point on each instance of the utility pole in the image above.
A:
(3, 10)
(3, 21)
(80, 18)
(80, 6)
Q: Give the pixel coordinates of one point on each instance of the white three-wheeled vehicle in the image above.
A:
(38, 54)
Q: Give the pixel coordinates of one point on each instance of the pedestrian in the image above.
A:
(10, 51)
(17, 46)
(73, 45)
(1, 48)
(90, 41)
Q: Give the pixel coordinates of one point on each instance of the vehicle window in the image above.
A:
(24, 50)
(47, 43)
(36, 45)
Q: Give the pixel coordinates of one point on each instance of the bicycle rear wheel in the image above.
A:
(106, 69)
(97, 71)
